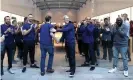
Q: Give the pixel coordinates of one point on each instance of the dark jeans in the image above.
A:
(20, 49)
(86, 52)
(107, 47)
(44, 50)
(96, 47)
(9, 49)
(89, 53)
(29, 47)
(70, 50)
(14, 50)
(80, 46)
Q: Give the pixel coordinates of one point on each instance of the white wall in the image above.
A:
(57, 14)
(21, 7)
(103, 7)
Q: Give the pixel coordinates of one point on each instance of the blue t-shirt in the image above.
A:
(31, 35)
(9, 36)
(45, 37)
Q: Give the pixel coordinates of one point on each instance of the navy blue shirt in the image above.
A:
(88, 33)
(68, 33)
(45, 37)
(31, 35)
(9, 36)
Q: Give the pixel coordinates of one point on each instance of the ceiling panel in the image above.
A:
(56, 4)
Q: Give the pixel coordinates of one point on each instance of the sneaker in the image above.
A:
(92, 68)
(11, 71)
(126, 73)
(68, 71)
(24, 69)
(50, 71)
(112, 70)
(42, 73)
(71, 74)
(34, 66)
(0, 77)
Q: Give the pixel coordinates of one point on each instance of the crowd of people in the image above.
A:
(89, 35)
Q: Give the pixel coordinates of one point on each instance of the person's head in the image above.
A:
(66, 19)
(14, 23)
(119, 21)
(106, 21)
(88, 20)
(48, 18)
(30, 17)
(7, 20)
(125, 16)
(25, 19)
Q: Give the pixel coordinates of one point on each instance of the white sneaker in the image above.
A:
(11, 71)
(112, 70)
(126, 73)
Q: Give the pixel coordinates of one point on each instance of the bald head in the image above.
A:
(119, 21)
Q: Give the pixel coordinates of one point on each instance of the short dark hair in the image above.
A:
(5, 17)
(48, 18)
(25, 18)
(29, 14)
(106, 19)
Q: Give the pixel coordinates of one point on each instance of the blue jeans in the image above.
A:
(44, 50)
(123, 51)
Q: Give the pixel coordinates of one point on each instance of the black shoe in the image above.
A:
(24, 69)
(85, 65)
(68, 71)
(42, 73)
(34, 66)
(92, 68)
(71, 74)
(50, 71)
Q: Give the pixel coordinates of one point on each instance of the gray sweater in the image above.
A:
(106, 35)
(120, 38)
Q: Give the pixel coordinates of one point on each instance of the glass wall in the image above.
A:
(3, 14)
(114, 15)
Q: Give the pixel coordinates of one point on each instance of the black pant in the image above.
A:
(29, 47)
(80, 48)
(20, 49)
(107, 47)
(89, 53)
(86, 52)
(9, 49)
(70, 50)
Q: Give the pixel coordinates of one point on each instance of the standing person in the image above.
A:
(69, 36)
(79, 39)
(127, 24)
(131, 32)
(106, 40)
(28, 32)
(19, 41)
(88, 39)
(120, 45)
(46, 45)
(8, 30)
(2, 38)
(97, 39)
